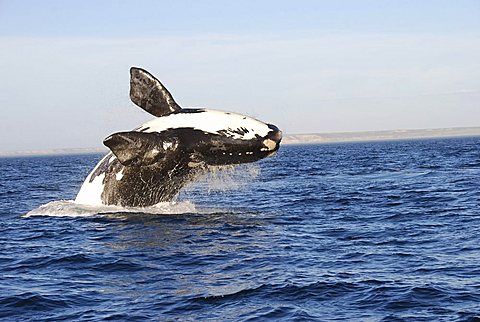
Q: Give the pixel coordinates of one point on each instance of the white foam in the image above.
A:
(69, 208)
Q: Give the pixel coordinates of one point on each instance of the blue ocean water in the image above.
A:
(379, 231)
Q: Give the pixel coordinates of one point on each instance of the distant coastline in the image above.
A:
(313, 138)
(317, 138)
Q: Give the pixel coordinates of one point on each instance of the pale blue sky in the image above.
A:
(307, 66)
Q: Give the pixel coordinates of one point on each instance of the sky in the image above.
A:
(307, 66)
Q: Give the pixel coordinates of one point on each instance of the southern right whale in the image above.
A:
(154, 161)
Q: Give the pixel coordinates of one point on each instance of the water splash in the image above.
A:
(215, 178)
(226, 178)
(68, 208)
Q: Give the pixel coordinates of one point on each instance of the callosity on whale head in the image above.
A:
(153, 162)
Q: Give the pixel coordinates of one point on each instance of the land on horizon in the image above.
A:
(312, 138)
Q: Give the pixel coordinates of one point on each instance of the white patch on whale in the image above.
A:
(119, 175)
(168, 145)
(270, 145)
(210, 121)
(91, 192)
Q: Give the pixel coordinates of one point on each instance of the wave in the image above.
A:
(32, 300)
(68, 208)
(318, 290)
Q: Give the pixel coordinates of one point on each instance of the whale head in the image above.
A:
(197, 136)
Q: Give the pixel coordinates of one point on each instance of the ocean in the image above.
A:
(374, 231)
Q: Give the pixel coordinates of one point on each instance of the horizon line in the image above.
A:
(300, 138)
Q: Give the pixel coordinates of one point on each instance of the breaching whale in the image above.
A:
(154, 161)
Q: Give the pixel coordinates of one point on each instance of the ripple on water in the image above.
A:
(379, 231)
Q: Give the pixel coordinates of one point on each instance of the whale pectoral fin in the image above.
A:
(148, 93)
(139, 149)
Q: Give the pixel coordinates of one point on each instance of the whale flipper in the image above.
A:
(148, 93)
(139, 149)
